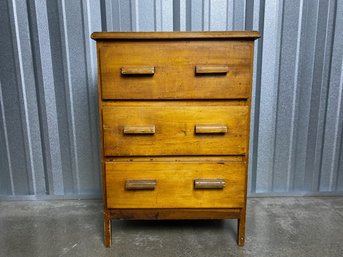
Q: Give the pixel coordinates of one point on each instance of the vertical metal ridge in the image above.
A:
(269, 78)
(161, 14)
(312, 142)
(258, 24)
(328, 161)
(338, 126)
(46, 99)
(233, 15)
(3, 115)
(20, 83)
(91, 80)
(230, 14)
(70, 102)
(137, 15)
(155, 15)
(227, 14)
(209, 16)
(293, 136)
(103, 15)
(277, 93)
(244, 14)
(338, 134)
(307, 73)
(324, 94)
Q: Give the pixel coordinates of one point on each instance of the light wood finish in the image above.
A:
(210, 128)
(208, 69)
(174, 115)
(174, 76)
(213, 35)
(175, 134)
(217, 159)
(137, 70)
(107, 229)
(140, 184)
(176, 180)
(142, 129)
(210, 183)
(175, 214)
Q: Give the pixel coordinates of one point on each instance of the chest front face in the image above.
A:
(174, 120)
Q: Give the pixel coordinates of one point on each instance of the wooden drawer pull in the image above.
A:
(209, 68)
(210, 129)
(146, 184)
(216, 183)
(148, 129)
(138, 70)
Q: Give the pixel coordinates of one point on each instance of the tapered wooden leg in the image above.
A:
(107, 230)
(241, 229)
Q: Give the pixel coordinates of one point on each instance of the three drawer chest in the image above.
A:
(174, 122)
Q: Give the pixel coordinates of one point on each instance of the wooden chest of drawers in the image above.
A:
(174, 121)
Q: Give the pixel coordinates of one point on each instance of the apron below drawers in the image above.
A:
(175, 184)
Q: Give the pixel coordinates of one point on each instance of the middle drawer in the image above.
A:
(174, 130)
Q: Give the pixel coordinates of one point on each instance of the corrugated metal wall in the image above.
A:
(48, 88)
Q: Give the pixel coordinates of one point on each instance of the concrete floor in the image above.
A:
(275, 227)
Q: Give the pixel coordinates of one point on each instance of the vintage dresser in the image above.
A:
(174, 120)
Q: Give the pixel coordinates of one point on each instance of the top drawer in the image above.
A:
(176, 69)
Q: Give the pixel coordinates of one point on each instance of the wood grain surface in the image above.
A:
(175, 130)
(175, 70)
(214, 35)
(174, 185)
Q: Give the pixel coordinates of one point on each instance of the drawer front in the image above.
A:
(175, 130)
(176, 69)
(175, 185)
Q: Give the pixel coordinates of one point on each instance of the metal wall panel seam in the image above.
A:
(229, 13)
(8, 154)
(183, 15)
(269, 77)
(317, 75)
(156, 13)
(134, 13)
(167, 19)
(295, 104)
(333, 123)
(44, 98)
(20, 83)
(206, 15)
(71, 117)
(324, 93)
(90, 60)
(306, 87)
(47, 101)
(258, 24)
(274, 144)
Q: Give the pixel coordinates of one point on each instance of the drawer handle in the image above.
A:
(137, 70)
(146, 184)
(215, 183)
(148, 129)
(211, 69)
(210, 129)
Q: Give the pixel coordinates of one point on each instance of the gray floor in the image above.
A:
(275, 227)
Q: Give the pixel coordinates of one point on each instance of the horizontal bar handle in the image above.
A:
(142, 184)
(138, 70)
(140, 129)
(212, 183)
(211, 68)
(210, 129)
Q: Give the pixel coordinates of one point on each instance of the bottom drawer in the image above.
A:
(175, 184)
